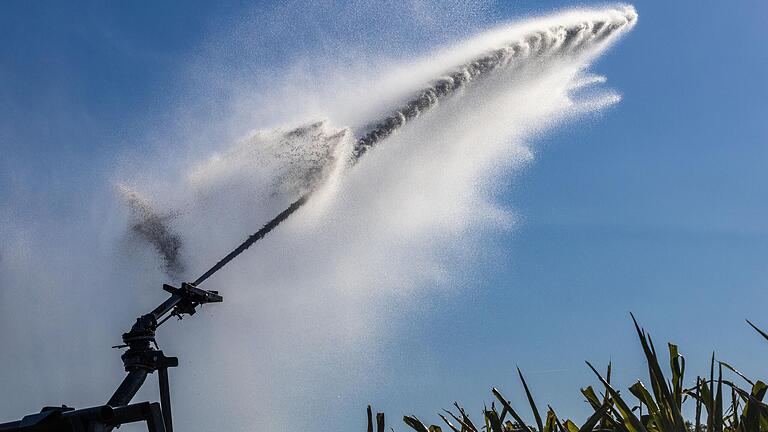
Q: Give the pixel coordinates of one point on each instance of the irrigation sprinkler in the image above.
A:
(143, 356)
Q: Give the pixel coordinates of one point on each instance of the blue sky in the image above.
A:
(657, 206)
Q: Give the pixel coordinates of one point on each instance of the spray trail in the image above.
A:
(559, 40)
(538, 45)
(153, 228)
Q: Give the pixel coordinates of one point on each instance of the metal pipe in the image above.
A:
(102, 413)
(128, 388)
(58, 420)
(165, 307)
(10, 425)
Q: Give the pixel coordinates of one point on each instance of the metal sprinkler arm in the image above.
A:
(142, 359)
(182, 301)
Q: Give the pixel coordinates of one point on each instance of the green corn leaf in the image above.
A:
(664, 398)
(762, 333)
(530, 401)
(558, 423)
(549, 423)
(631, 422)
(450, 425)
(465, 418)
(493, 422)
(464, 425)
(415, 424)
(370, 419)
(600, 413)
(677, 365)
(732, 369)
(509, 408)
(718, 419)
(571, 426)
(654, 413)
(589, 393)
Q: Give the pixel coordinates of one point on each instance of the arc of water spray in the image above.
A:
(553, 41)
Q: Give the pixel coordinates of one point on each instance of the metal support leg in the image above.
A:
(165, 398)
(155, 419)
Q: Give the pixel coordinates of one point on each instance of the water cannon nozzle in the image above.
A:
(191, 297)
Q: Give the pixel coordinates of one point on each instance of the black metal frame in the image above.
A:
(142, 358)
(65, 419)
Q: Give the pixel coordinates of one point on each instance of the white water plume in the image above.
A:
(304, 307)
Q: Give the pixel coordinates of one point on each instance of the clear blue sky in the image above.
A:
(659, 206)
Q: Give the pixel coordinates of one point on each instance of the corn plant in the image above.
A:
(720, 404)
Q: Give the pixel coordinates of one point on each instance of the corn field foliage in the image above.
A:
(655, 405)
